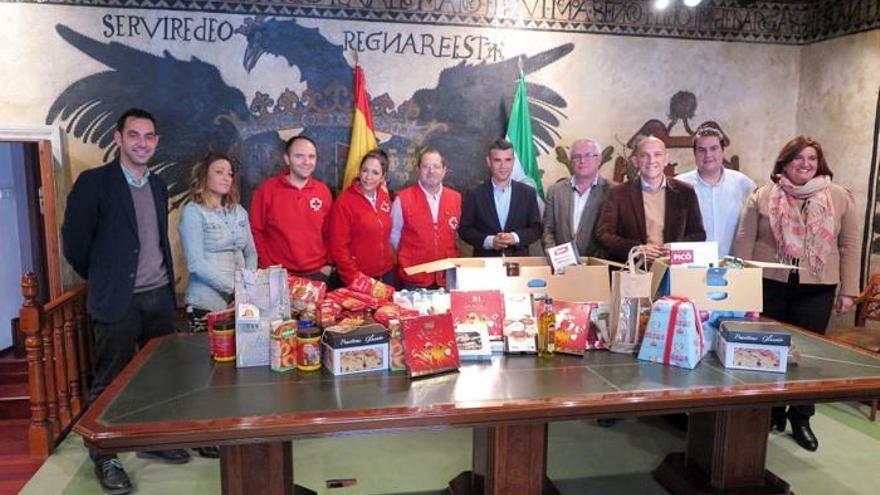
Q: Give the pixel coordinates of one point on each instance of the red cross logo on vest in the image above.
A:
(315, 203)
(453, 223)
(385, 206)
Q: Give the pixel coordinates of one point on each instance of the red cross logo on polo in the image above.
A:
(316, 203)
(453, 223)
(385, 207)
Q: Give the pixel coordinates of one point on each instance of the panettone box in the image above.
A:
(355, 349)
(753, 345)
(429, 345)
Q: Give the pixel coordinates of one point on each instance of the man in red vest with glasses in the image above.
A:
(426, 217)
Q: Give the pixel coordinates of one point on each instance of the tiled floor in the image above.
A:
(583, 458)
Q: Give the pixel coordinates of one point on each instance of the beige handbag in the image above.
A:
(630, 303)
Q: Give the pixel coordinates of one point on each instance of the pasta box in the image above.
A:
(753, 345)
(355, 349)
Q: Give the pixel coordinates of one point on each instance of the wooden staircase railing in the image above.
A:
(59, 346)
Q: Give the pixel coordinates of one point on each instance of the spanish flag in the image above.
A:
(362, 137)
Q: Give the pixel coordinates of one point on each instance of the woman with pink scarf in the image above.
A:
(803, 219)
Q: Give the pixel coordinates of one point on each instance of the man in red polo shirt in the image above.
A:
(289, 215)
(425, 221)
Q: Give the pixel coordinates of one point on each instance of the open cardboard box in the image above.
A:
(588, 281)
(740, 289)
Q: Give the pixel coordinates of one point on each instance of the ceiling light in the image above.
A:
(661, 4)
(692, 3)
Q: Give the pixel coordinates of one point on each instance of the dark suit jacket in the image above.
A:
(480, 220)
(101, 239)
(622, 222)
(558, 215)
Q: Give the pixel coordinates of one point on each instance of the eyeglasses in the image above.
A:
(584, 157)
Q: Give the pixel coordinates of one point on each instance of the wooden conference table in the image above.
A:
(172, 395)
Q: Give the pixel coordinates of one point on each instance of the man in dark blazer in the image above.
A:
(500, 216)
(652, 210)
(573, 204)
(115, 236)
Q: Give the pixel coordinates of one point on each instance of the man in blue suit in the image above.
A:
(500, 216)
(116, 237)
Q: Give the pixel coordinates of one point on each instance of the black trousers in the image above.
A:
(807, 306)
(151, 314)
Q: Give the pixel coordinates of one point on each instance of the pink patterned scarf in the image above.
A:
(802, 230)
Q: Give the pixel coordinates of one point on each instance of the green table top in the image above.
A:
(178, 382)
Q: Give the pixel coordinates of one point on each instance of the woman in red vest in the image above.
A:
(426, 217)
(360, 224)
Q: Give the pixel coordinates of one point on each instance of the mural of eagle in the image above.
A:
(197, 110)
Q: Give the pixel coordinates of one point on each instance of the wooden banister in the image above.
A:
(57, 342)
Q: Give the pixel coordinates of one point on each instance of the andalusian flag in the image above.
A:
(362, 137)
(519, 133)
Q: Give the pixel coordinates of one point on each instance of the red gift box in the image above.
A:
(479, 306)
(429, 345)
(572, 326)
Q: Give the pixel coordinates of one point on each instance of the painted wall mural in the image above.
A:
(739, 20)
(460, 115)
(242, 77)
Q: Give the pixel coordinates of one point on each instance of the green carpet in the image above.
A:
(583, 458)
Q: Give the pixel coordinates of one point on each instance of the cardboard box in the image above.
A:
(713, 289)
(758, 346)
(349, 350)
(588, 281)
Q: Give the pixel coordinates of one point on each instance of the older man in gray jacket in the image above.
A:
(573, 204)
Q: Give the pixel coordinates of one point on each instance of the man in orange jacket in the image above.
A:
(425, 222)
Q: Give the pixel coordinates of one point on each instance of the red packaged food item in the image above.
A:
(390, 312)
(372, 287)
(329, 313)
(304, 291)
(572, 326)
(429, 345)
(367, 299)
(384, 314)
(479, 306)
(346, 301)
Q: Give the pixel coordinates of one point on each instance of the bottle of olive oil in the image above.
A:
(547, 330)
